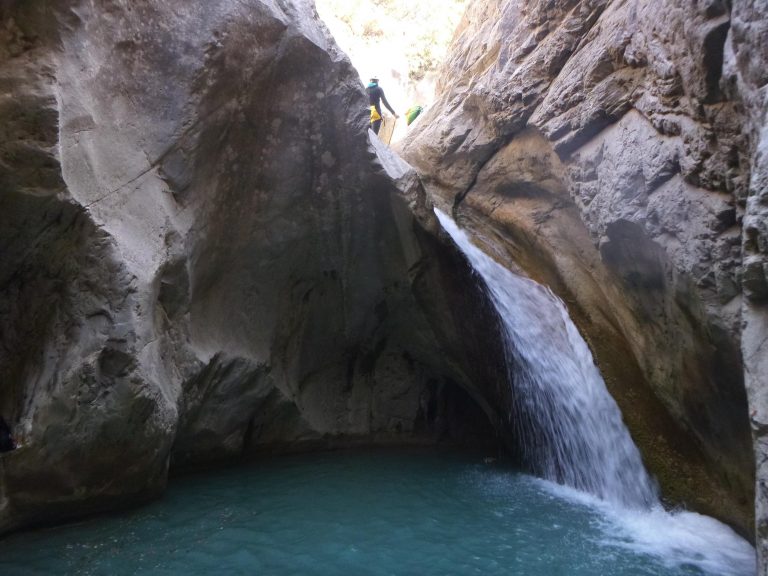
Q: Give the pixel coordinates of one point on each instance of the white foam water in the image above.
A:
(678, 539)
(570, 428)
(572, 434)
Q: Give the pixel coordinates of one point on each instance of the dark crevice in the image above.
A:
(714, 52)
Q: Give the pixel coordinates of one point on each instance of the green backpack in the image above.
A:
(412, 113)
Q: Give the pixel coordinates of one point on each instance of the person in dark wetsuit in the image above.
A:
(6, 440)
(375, 97)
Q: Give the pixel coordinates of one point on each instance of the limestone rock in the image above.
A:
(204, 256)
(599, 147)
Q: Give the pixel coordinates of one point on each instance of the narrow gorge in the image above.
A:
(207, 258)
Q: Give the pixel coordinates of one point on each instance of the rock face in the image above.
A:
(600, 146)
(204, 256)
(747, 62)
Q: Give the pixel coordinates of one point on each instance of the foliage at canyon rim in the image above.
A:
(402, 42)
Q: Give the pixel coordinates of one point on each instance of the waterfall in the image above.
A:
(569, 427)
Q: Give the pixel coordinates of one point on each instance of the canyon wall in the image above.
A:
(205, 257)
(611, 151)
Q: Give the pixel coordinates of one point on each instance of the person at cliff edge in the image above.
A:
(375, 97)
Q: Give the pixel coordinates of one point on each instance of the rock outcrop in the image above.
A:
(600, 146)
(205, 257)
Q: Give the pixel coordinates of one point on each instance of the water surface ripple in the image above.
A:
(379, 514)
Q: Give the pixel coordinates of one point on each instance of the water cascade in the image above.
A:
(425, 513)
(569, 426)
(571, 432)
